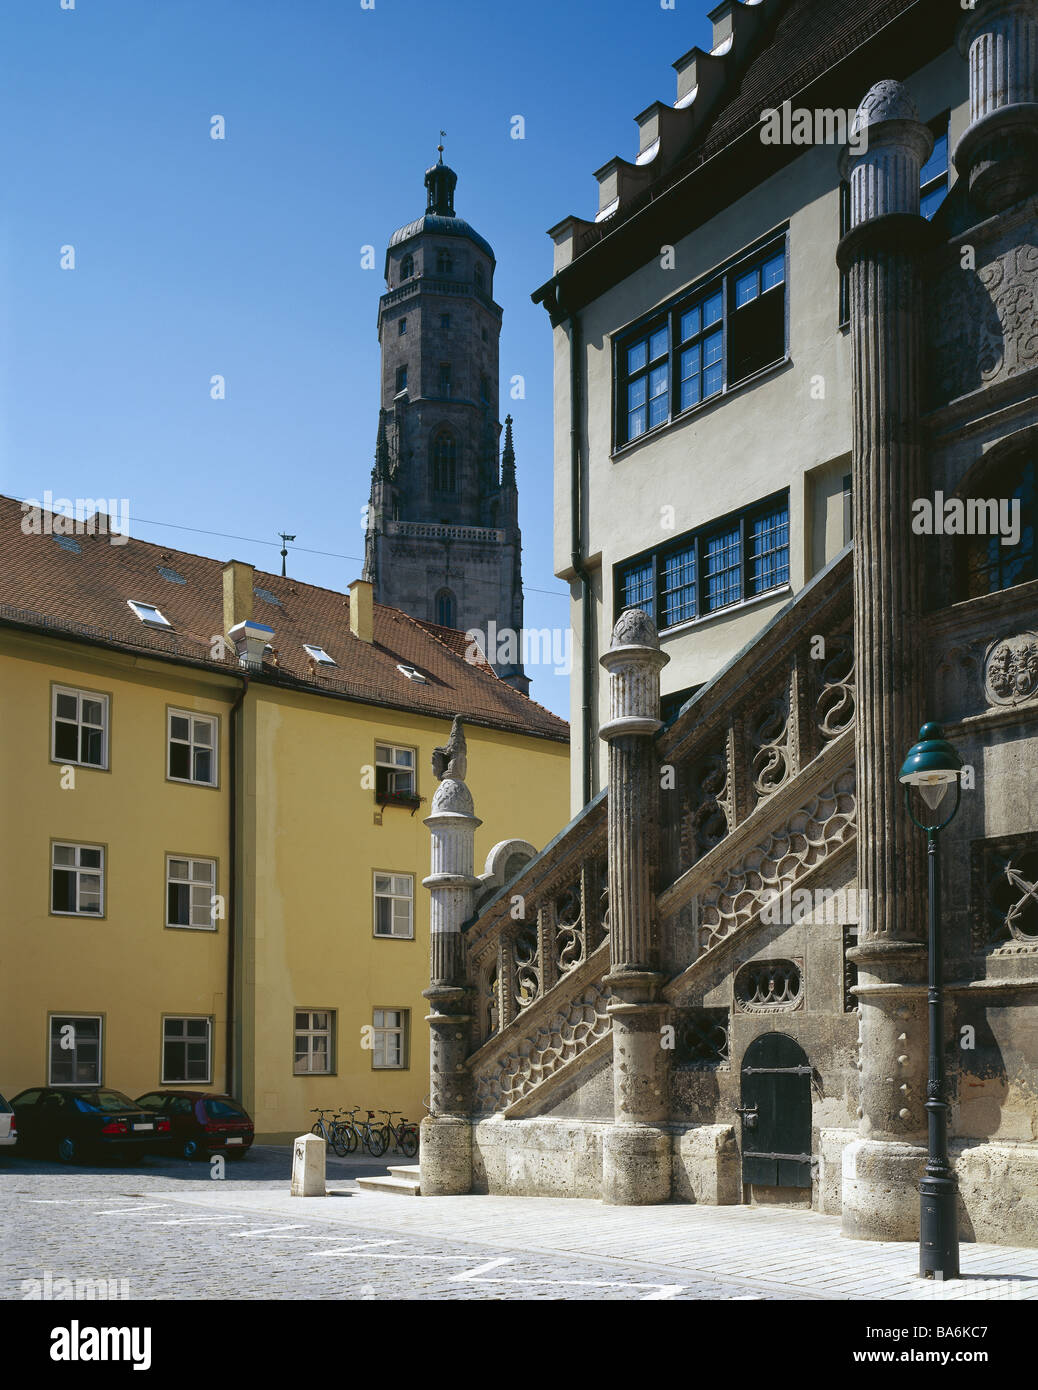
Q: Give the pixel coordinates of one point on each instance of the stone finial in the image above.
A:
(634, 628)
(450, 761)
(998, 152)
(888, 147)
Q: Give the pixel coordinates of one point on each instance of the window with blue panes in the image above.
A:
(933, 177)
(739, 557)
(703, 344)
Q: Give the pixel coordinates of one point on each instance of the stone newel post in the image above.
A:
(883, 254)
(636, 1160)
(446, 1134)
(998, 153)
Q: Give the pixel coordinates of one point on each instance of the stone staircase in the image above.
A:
(403, 1180)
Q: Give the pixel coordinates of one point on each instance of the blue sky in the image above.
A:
(242, 257)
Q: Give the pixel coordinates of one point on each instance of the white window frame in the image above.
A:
(74, 1018)
(382, 1032)
(79, 696)
(191, 860)
(191, 745)
(310, 1032)
(144, 611)
(319, 654)
(78, 869)
(394, 768)
(394, 896)
(207, 1080)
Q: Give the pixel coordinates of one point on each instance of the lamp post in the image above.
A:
(931, 766)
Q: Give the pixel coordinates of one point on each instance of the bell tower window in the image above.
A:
(444, 464)
(445, 608)
(406, 267)
(444, 262)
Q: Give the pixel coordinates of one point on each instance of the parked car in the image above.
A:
(202, 1123)
(78, 1122)
(8, 1125)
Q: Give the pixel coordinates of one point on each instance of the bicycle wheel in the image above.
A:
(318, 1130)
(351, 1136)
(409, 1142)
(339, 1143)
(376, 1140)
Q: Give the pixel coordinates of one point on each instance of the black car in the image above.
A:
(202, 1123)
(77, 1122)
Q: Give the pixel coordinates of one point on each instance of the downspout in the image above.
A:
(232, 889)
(575, 504)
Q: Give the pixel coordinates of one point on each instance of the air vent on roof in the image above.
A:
(412, 673)
(67, 543)
(171, 575)
(267, 597)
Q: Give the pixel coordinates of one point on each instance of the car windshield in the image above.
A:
(107, 1101)
(224, 1110)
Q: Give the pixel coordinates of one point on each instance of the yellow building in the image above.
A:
(214, 788)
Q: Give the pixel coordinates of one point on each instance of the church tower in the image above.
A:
(443, 538)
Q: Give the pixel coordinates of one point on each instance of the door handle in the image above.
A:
(749, 1115)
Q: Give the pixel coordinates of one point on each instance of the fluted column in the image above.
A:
(998, 153)
(883, 255)
(636, 1161)
(446, 1133)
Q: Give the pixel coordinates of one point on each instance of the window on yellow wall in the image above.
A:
(390, 1029)
(192, 748)
(394, 904)
(79, 732)
(314, 1042)
(75, 1050)
(190, 889)
(77, 880)
(187, 1050)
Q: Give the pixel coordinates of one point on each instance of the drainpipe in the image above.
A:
(232, 891)
(575, 503)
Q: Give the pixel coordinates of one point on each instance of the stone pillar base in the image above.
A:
(881, 1189)
(636, 1165)
(445, 1156)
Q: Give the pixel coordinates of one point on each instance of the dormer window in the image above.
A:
(319, 654)
(148, 614)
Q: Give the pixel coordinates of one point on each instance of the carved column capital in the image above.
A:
(998, 152)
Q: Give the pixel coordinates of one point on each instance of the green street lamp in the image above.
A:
(932, 766)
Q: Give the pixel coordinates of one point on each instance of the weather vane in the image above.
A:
(443, 136)
(285, 538)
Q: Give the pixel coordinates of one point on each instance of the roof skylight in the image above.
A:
(412, 673)
(149, 614)
(170, 575)
(319, 654)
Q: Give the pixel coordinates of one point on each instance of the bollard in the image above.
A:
(308, 1166)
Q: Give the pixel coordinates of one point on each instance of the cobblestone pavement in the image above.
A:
(171, 1232)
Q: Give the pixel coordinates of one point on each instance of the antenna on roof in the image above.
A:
(285, 538)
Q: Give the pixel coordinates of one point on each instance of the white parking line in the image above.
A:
(123, 1211)
(276, 1230)
(195, 1220)
(480, 1269)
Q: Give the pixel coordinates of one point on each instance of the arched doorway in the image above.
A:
(776, 1113)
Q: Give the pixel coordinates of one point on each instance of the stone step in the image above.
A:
(411, 1171)
(401, 1187)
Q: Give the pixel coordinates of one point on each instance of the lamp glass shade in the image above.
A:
(932, 764)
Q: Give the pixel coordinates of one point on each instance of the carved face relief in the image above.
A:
(1011, 670)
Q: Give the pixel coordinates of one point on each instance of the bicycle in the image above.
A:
(329, 1131)
(369, 1132)
(405, 1134)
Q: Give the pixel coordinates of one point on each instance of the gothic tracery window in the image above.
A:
(445, 608)
(444, 462)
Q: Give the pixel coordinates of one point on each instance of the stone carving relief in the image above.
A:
(770, 986)
(1011, 283)
(810, 835)
(539, 1053)
(527, 968)
(1004, 894)
(834, 706)
(1011, 670)
(770, 734)
(702, 1037)
(706, 809)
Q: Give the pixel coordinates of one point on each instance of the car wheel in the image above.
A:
(68, 1149)
(189, 1149)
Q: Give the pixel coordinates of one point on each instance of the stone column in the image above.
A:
(998, 154)
(636, 1159)
(883, 254)
(446, 1133)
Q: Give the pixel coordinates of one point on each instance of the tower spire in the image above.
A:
(381, 469)
(508, 456)
(440, 181)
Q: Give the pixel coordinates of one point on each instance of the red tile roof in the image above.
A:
(48, 587)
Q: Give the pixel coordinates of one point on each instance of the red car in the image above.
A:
(201, 1123)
